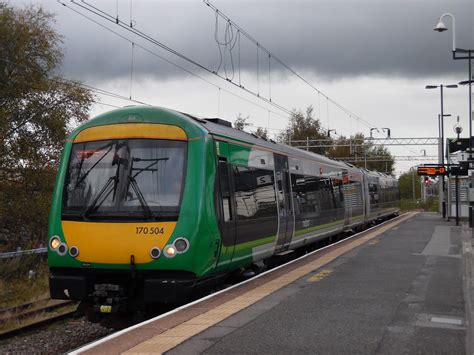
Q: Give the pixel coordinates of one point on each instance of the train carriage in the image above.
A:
(150, 204)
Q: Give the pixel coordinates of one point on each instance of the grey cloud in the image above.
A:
(333, 39)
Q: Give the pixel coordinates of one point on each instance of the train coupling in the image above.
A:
(109, 298)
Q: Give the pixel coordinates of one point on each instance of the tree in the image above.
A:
(241, 123)
(408, 181)
(303, 126)
(37, 110)
(386, 162)
(347, 148)
(261, 132)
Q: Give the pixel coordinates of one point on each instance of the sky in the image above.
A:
(374, 58)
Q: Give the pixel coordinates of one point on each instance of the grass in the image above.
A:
(11, 324)
(431, 205)
(23, 279)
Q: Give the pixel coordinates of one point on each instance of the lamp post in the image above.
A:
(465, 54)
(441, 27)
(441, 136)
(468, 54)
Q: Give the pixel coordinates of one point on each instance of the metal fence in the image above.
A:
(15, 254)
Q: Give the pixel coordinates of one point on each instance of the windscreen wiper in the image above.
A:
(95, 205)
(141, 199)
(133, 182)
(83, 177)
(102, 193)
(146, 168)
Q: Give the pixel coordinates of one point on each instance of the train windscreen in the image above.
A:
(139, 179)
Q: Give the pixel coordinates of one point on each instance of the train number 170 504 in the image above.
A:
(150, 230)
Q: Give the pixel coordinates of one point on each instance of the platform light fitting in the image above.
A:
(440, 27)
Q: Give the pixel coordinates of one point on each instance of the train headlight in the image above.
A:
(54, 242)
(74, 251)
(170, 251)
(155, 252)
(181, 244)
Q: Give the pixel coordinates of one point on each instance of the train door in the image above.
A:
(286, 216)
(365, 184)
(348, 196)
(225, 208)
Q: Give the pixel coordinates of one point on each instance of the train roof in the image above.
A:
(223, 128)
(229, 132)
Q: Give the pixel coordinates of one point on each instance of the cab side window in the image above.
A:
(225, 190)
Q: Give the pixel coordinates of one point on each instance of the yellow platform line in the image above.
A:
(175, 336)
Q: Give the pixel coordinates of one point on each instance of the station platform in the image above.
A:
(403, 287)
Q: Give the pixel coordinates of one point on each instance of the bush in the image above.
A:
(430, 205)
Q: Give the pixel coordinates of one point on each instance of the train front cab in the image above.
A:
(129, 201)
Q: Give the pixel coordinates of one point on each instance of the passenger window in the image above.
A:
(312, 194)
(254, 193)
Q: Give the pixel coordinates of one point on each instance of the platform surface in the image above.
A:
(398, 290)
(401, 293)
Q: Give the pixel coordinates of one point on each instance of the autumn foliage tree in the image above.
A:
(303, 126)
(37, 110)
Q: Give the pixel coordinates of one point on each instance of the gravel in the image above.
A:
(55, 339)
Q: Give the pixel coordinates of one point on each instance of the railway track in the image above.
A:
(29, 316)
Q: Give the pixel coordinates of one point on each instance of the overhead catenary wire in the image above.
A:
(134, 30)
(131, 71)
(258, 76)
(72, 82)
(105, 104)
(108, 17)
(131, 17)
(139, 33)
(86, 86)
(327, 110)
(176, 65)
(269, 77)
(117, 96)
(281, 62)
(239, 58)
(219, 103)
(111, 94)
(286, 66)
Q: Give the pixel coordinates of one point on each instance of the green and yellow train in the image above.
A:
(151, 205)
